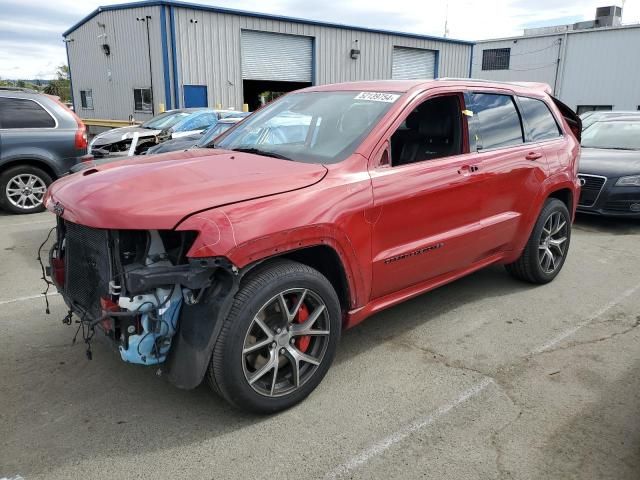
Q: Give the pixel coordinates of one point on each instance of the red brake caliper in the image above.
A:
(302, 343)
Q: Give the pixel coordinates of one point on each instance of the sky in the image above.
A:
(31, 44)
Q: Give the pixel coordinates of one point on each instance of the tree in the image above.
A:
(61, 86)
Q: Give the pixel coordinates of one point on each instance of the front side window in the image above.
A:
(86, 99)
(496, 120)
(24, 113)
(142, 99)
(539, 119)
(496, 59)
(616, 134)
(432, 130)
(313, 127)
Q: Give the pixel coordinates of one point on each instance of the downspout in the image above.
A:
(153, 107)
(555, 79)
(66, 47)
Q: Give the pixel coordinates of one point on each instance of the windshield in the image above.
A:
(314, 127)
(210, 135)
(196, 121)
(165, 120)
(616, 134)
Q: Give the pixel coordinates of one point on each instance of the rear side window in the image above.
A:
(496, 120)
(23, 113)
(540, 122)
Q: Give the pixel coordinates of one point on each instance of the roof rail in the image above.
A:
(535, 85)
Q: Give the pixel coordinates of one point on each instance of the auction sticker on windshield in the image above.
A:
(377, 97)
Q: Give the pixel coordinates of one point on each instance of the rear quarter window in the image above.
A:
(496, 120)
(23, 113)
(540, 123)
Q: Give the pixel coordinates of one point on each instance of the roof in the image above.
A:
(244, 13)
(560, 34)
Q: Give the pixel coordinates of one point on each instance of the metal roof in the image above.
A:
(244, 13)
(560, 34)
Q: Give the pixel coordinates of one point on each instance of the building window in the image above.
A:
(142, 99)
(86, 99)
(496, 59)
(594, 108)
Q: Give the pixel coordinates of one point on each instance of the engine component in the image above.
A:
(158, 321)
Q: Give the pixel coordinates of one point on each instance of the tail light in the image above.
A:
(80, 142)
(81, 135)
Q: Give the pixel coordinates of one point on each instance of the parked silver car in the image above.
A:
(136, 140)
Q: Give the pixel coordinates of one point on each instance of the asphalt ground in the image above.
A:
(486, 378)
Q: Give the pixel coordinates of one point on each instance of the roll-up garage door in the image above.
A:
(276, 57)
(413, 63)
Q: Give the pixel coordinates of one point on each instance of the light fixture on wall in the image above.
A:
(355, 50)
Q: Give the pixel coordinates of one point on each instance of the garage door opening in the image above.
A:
(258, 91)
(273, 64)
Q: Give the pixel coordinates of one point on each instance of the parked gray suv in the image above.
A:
(40, 140)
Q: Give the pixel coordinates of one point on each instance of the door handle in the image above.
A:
(468, 169)
(533, 156)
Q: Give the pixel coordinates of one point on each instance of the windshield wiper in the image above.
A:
(257, 151)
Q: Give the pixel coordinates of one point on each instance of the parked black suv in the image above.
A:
(40, 140)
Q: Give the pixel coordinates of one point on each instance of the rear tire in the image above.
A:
(547, 247)
(269, 357)
(22, 189)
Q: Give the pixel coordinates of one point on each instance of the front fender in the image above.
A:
(217, 238)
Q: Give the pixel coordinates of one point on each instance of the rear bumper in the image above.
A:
(612, 201)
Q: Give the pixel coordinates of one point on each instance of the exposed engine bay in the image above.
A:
(131, 285)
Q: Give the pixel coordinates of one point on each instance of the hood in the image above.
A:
(122, 133)
(158, 191)
(609, 162)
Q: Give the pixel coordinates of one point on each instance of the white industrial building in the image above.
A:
(139, 58)
(593, 65)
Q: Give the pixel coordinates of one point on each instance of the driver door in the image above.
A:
(427, 195)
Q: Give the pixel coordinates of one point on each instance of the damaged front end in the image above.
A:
(138, 287)
(126, 147)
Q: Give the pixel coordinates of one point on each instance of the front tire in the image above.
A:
(22, 189)
(279, 339)
(548, 245)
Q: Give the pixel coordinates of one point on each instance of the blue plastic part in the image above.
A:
(152, 345)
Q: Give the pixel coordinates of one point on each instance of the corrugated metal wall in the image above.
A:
(602, 68)
(598, 67)
(209, 52)
(532, 59)
(112, 78)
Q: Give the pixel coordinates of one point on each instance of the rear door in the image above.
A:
(511, 170)
(542, 129)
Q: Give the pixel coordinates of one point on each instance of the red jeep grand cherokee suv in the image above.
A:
(244, 262)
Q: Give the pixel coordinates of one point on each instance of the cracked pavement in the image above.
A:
(569, 410)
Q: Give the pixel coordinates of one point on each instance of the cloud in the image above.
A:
(31, 44)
